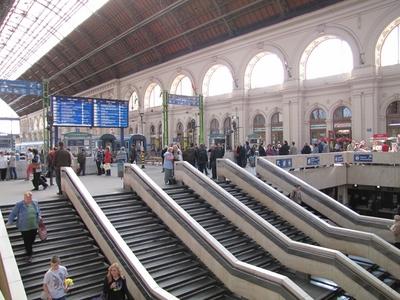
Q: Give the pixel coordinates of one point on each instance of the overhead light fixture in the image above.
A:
(378, 186)
(355, 185)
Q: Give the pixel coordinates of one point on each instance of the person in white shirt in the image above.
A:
(54, 280)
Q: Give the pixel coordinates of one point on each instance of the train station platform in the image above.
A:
(12, 190)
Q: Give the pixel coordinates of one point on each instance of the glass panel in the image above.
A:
(391, 48)
(267, 71)
(330, 57)
(221, 81)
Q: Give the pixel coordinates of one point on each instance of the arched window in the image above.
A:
(152, 130)
(153, 96)
(214, 127)
(317, 125)
(182, 85)
(390, 54)
(342, 123)
(330, 56)
(265, 69)
(276, 128)
(228, 133)
(134, 101)
(179, 132)
(393, 119)
(259, 126)
(217, 81)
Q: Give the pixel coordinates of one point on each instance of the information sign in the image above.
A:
(21, 87)
(110, 113)
(183, 100)
(284, 163)
(362, 157)
(313, 161)
(72, 111)
(339, 158)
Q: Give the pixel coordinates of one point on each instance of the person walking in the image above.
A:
(295, 195)
(50, 164)
(293, 149)
(99, 158)
(29, 157)
(82, 162)
(121, 158)
(12, 164)
(28, 215)
(37, 171)
(54, 285)
(3, 166)
(133, 154)
(202, 159)
(114, 287)
(107, 161)
(62, 158)
(168, 166)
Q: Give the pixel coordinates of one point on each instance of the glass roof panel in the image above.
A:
(34, 27)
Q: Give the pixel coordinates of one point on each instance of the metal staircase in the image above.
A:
(285, 227)
(167, 259)
(67, 238)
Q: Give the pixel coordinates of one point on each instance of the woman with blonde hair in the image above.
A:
(115, 284)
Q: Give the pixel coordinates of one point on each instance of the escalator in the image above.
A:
(165, 257)
(304, 205)
(289, 230)
(69, 239)
(244, 248)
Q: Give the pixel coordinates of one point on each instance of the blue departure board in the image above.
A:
(72, 111)
(110, 113)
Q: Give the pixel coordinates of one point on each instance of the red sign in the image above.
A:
(380, 136)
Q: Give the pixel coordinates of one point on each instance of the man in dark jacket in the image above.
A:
(189, 155)
(284, 150)
(62, 158)
(202, 159)
(82, 162)
(306, 149)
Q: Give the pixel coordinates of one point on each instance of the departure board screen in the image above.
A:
(110, 113)
(89, 112)
(72, 111)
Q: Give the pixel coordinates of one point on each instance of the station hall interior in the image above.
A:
(218, 149)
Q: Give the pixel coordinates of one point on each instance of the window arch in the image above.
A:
(182, 85)
(393, 119)
(327, 56)
(259, 126)
(214, 127)
(390, 54)
(342, 123)
(218, 80)
(276, 128)
(264, 69)
(228, 133)
(179, 132)
(134, 101)
(153, 96)
(317, 125)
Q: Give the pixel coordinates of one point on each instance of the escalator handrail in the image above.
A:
(150, 289)
(261, 226)
(336, 206)
(11, 277)
(232, 265)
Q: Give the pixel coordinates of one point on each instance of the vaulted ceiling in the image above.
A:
(127, 36)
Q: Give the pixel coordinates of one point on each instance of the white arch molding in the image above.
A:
(381, 41)
(209, 70)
